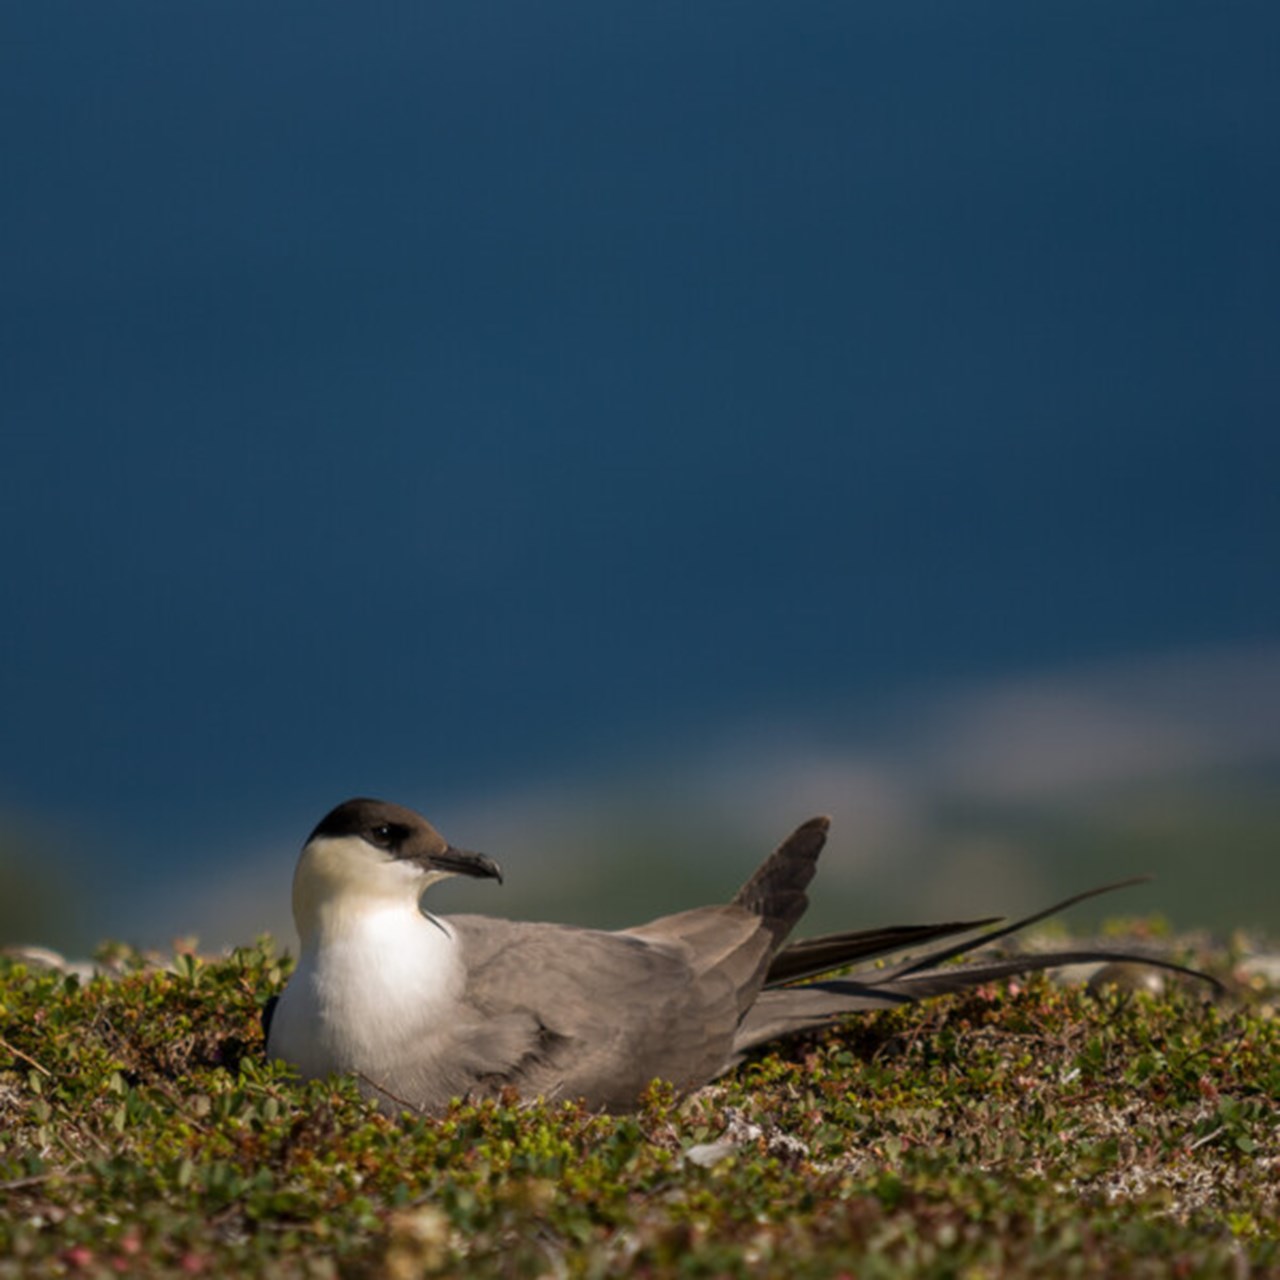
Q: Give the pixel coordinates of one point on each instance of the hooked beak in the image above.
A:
(463, 862)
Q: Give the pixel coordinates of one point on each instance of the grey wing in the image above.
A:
(561, 1012)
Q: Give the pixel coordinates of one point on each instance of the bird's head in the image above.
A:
(370, 853)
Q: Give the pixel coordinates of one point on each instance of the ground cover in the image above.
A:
(1035, 1130)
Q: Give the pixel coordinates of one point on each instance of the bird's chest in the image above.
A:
(362, 998)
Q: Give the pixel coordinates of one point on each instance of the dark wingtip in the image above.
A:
(268, 1012)
(776, 892)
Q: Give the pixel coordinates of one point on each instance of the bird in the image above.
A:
(424, 1009)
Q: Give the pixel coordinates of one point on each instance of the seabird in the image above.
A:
(423, 1009)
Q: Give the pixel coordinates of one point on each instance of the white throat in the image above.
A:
(375, 971)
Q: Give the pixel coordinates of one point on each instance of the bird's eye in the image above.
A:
(384, 836)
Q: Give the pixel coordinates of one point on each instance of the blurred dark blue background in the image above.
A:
(434, 401)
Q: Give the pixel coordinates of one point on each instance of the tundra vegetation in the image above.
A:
(1024, 1130)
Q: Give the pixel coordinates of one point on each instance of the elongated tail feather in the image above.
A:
(938, 957)
(813, 956)
(783, 1010)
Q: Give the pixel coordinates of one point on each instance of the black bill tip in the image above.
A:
(463, 862)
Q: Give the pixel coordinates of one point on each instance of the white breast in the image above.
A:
(367, 992)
